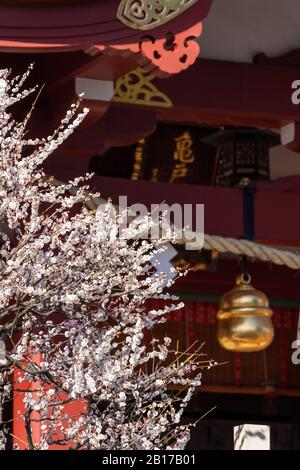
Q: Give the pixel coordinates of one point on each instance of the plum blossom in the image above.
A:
(73, 307)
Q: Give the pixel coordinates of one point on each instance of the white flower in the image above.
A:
(73, 296)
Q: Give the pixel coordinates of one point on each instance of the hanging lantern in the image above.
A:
(243, 153)
(244, 318)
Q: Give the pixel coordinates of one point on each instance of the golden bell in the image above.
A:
(244, 318)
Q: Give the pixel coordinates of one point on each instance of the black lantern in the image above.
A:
(243, 154)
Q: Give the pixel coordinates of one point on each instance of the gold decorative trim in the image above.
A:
(136, 87)
(148, 14)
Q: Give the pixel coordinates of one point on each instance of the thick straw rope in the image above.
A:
(252, 249)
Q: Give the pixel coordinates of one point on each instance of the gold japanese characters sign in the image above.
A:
(175, 154)
(183, 156)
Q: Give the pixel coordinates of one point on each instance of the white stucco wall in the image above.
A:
(238, 29)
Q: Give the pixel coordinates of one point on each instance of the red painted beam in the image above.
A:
(223, 207)
(220, 203)
(232, 93)
(276, 209)
(276, 218)
(209, 92)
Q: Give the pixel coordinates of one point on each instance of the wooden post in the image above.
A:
(251, 437)
(73, 410)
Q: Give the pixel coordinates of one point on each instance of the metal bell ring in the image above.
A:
(244, 318)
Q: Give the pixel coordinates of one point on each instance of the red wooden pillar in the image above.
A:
(73, 409)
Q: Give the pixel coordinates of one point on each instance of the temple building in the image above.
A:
(192, 102)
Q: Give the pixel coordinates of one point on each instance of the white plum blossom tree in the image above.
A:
(73, 308)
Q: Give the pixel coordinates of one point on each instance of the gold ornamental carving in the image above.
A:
(136, 87)
(148, 14)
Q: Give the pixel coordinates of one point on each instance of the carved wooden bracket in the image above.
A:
(169, 55)
(174, 53)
